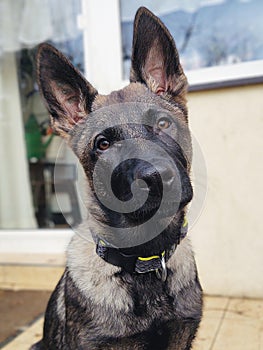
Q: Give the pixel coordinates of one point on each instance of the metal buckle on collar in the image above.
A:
(162, 272)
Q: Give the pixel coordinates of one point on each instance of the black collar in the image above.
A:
(138, 264)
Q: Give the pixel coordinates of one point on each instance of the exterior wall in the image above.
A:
(227, 238)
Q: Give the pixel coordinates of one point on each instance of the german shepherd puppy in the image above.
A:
(134, 285)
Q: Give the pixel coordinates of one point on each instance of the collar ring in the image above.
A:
(161, 273)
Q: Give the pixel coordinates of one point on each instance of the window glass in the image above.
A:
(207, 33)
(29, 152)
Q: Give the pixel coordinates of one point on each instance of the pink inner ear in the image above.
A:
(155, 71)
(71, 102)
(160, 91)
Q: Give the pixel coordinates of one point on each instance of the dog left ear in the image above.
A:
(155, 60)
(67, 94)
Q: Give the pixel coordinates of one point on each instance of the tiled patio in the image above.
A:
(228, 324)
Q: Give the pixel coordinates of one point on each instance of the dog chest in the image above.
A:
(148, 320)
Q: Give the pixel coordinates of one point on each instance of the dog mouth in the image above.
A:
(154, 207)
(138, 192)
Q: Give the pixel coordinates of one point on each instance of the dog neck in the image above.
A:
(134, 263)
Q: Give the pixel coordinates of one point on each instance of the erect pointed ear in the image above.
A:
(155, 59)
(67, 95)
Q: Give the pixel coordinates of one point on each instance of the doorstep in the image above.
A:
(31, 271)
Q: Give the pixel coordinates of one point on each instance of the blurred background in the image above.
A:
(220, 44)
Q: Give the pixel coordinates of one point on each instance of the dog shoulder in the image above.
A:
(184, 284)
(182, 264)
(95, 278)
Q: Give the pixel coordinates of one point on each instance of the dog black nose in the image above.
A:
(167, 175)
(154, 178)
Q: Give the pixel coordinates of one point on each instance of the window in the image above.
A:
(222, 34)
(29, 151)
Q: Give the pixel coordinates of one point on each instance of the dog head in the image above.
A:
(134, 144)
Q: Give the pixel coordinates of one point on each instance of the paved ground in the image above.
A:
(18, 310)
(228, 324)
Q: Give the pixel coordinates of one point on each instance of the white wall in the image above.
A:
(228, 236)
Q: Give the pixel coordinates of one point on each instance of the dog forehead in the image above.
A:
(121, 116)
(127, 113)
(142, 99)
(134, 104)
(130, 93)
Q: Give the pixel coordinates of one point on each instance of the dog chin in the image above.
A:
(145, 213)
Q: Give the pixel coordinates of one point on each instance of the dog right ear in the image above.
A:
(155, 59)
(67, 94)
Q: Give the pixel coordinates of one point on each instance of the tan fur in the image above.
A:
(94, 277)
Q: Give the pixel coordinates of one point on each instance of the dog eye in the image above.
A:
(102, 143)
(163, 123)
